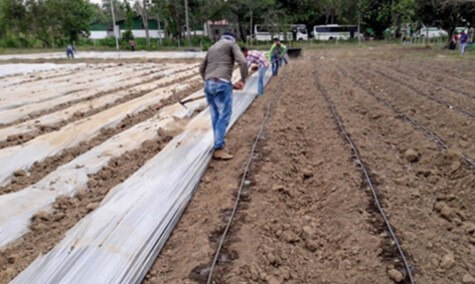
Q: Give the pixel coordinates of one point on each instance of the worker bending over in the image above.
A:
(70, 50)
(216, 70)
(276, 55)
(256, 57)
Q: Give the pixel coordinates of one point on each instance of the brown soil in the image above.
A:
(307, 215)
(462, 84)
(40, 169)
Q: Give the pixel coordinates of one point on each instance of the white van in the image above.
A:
(433, 32)
(269, 32)
(330, 32)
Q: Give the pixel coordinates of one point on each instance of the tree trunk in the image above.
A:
(251, 12)
(159, 32)
(188, 36)
(359, 28)
(145, 22)
(427, 37)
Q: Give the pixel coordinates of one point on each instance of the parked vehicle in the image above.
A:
(331, 32)
(432, 32)
(297, 32)
(461, 29)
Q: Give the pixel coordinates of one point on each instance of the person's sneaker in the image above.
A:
(222, 154)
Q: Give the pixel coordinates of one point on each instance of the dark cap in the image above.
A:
(229, 34)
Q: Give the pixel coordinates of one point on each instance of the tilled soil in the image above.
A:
(306, 214)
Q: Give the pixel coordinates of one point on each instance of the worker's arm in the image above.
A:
(203, 67)
(241, 60)
(284, 50)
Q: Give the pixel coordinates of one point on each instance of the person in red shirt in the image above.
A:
(256, 57)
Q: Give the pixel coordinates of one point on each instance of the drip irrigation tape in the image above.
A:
(439, 101)
(436, 84)
(439, 141)
(366, 174)
(244, 175)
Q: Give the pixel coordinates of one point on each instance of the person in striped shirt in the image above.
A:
(256, 57)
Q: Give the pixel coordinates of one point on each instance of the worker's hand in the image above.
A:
(238, 85)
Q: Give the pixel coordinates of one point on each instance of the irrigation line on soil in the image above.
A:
(435, 83)
(366, 174)
(439, 101)
(439, 141)
(244, 175)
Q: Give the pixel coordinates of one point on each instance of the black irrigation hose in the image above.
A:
(436, 84)
(439, 101)
(439, 141)
(366, 174)
(244, 175)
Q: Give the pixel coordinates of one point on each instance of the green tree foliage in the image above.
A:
(48, 22)
(57, 22)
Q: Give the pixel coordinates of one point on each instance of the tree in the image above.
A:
(72, 18)
(448, 14)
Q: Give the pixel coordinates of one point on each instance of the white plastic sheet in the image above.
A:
(10, 69)
(55, 117)
(19, 102)
(21, 157)
(119, 241)
(109, 54)
(20, 206)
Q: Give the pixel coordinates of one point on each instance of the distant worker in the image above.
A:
(463, 42)
(132, 44)
(452, 44)
(216, 70)
(275, 55)
(70, 50)
(256, 57)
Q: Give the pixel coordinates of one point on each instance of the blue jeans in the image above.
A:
(70, 54)
(275, 64)
(283, 57)
(220, 100)
(260, 85)
(462, 48)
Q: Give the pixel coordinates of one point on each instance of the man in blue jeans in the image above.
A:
(463, 42)
(275, 55)
(256, 57)
(216, 70)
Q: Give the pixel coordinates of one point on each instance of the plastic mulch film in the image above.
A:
(120, 240)
(19, 207)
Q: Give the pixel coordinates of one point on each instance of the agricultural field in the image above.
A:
(363, 171)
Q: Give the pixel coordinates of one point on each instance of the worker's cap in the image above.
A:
(229, 34)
